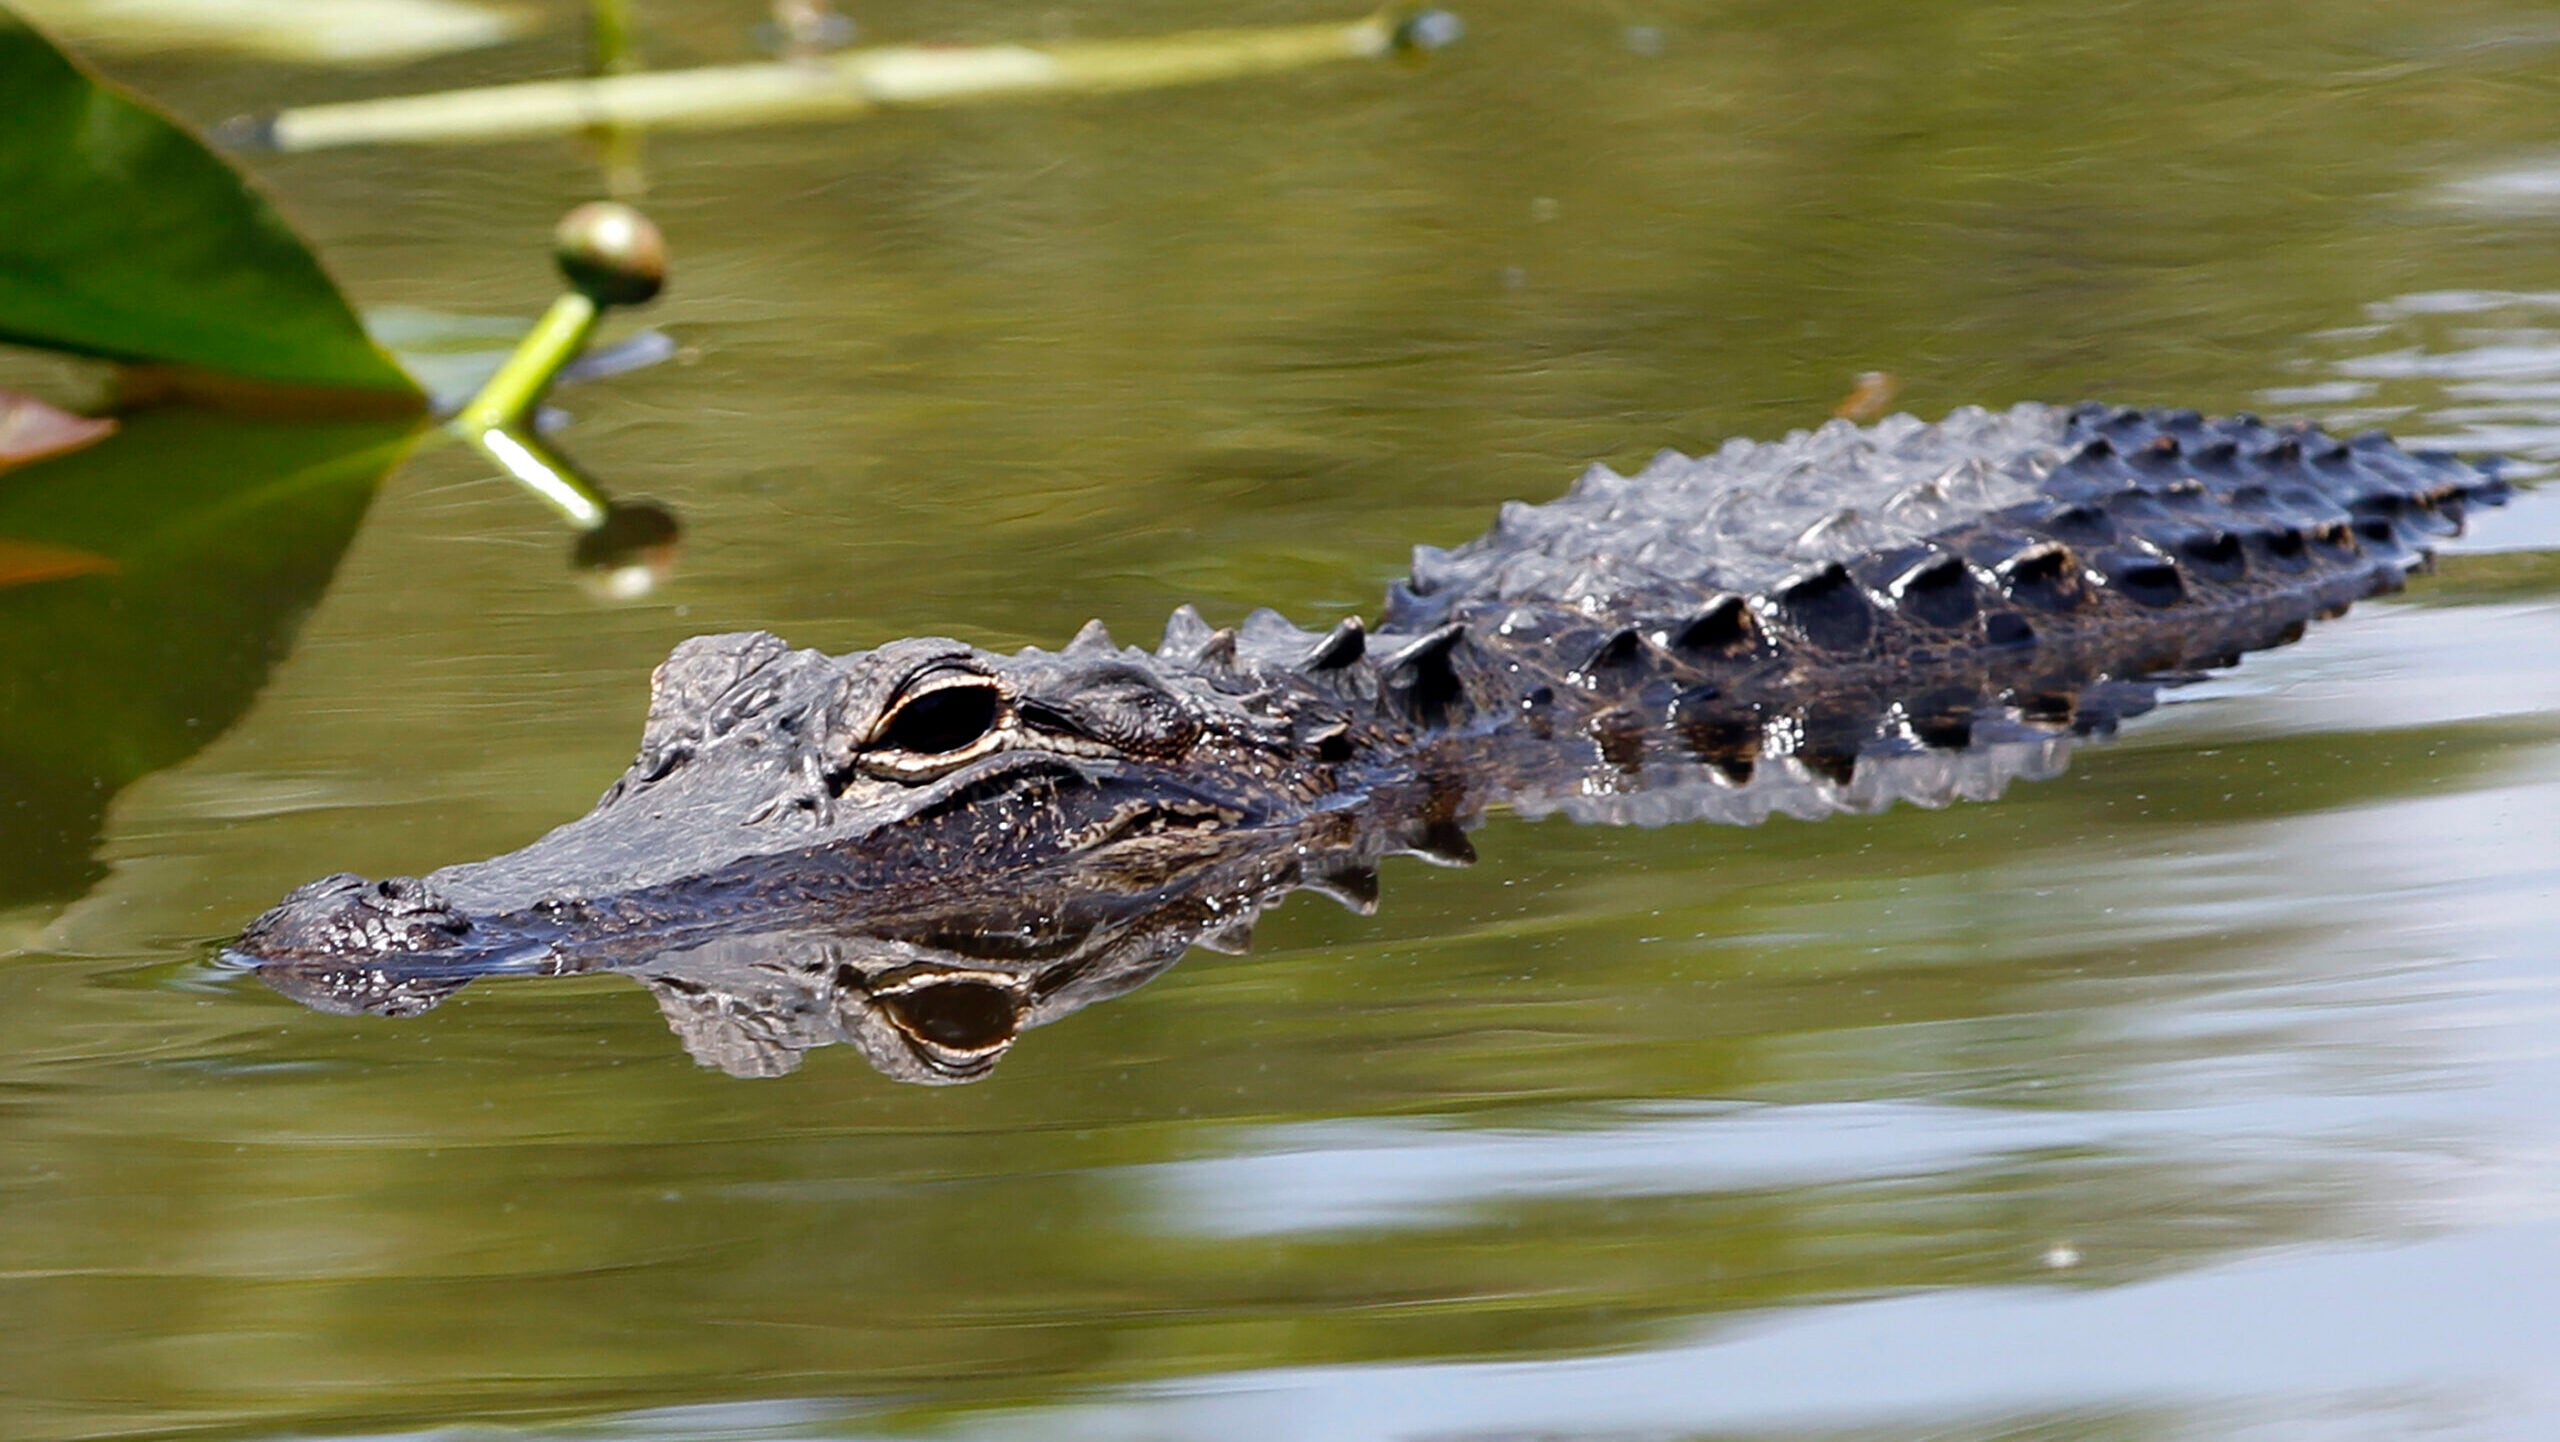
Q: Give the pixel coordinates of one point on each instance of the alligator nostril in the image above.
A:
(345, 915)
(407, 896)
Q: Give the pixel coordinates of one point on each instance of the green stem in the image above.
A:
(613, 48)
(613, 38)
(494, 421)
(555, 340)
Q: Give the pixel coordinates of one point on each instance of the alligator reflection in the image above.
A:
(935, 991)
(935, 1007)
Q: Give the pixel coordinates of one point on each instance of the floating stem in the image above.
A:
(613, 38)
(851, 83)
(613, 48)
(555, 340)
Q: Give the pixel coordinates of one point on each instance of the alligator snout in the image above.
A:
(345, 915)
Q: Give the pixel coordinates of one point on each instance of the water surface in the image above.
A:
(2203, 1091)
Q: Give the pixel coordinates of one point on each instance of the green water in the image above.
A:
(2206, 1091)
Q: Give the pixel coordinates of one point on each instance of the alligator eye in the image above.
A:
(943, 720)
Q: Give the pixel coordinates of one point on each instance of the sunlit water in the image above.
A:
(2205, 1091)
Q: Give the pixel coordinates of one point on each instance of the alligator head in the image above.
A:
(791, 782)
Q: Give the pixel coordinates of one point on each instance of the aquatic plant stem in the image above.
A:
(555, 340)
(613, 48)
(850, 83)
(611, 255)
(613, 38)
(494, 422)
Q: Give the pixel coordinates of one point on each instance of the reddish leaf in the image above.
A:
(24, 563)
(30, 430)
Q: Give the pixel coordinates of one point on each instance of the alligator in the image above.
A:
(1835, 621)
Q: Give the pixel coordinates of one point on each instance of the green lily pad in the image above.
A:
(122, 236)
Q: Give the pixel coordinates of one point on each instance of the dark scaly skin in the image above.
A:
(1834, 622)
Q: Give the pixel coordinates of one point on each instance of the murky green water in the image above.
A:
(2206, 1091)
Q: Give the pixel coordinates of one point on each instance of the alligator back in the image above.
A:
(1849, 598)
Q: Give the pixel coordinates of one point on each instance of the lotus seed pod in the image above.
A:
(611, 253)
